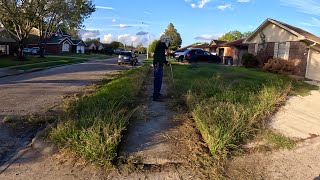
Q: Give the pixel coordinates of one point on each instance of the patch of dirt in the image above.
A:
(302, 162)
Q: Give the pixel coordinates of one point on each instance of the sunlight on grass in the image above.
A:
(230, 104)
(93, 126)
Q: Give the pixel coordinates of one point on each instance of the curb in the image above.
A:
(22, 150)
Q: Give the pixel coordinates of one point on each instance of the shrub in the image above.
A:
(249, 60)
(278, 65)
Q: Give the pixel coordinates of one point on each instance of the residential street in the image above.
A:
(37, 92)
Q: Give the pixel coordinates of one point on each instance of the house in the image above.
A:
(94, 46)
(281, 40)
(7, 42)
(214, 44)
(231, 52)
(78, 46)
(61, 42)
(204, 46)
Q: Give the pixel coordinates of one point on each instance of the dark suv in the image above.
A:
(127, 57)
(196, 55)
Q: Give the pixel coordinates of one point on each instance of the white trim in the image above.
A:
(287, 51)
(275, 50)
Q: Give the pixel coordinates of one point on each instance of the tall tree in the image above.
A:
(175, 38)
(116, 44)
(152, 46)
(56, 13)
(92, 40)
(234, 35)
(18, 16)
(231, 36)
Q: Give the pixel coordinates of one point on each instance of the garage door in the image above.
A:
(313, 71)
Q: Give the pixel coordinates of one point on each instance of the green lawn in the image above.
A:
(48, 64)
(230, 105)
(12, 61)
(151, 60)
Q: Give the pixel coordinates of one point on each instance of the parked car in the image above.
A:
(179, 55)
(196, 54)
(32, 51)
(119, 50)
(127, 57)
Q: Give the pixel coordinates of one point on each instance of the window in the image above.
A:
(65, 47)
(281, 50)
(4, 49)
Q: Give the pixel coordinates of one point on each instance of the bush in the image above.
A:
(277, 65)
(249, 60)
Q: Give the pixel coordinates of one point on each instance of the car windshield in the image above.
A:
(126, 54)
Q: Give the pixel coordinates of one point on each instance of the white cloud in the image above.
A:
(105, 7)
(89, 33)
(114, 20)
(146, 12)
(314, 23)
(107, 38)
(224, 7)
(207, 37)
(198, 3)
(305, 6)
(243, 1)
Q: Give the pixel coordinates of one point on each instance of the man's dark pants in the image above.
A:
(158, 74)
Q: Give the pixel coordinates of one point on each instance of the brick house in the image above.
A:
(214, 44)
(61, 42)
(281, 40)
(7, 42)
(232, 52)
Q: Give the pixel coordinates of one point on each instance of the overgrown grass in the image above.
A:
(48, 64)
(93, 126)
(230, 104)
(151, 60)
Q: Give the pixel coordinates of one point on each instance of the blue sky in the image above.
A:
(196, 20)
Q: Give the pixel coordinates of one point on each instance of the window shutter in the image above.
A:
(286, 55)
(256, 48)
(276, 48)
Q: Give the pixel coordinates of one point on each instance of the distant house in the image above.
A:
(232, 52)
(7, 42)
(78, 46)
(287, 42)
(94, 46)
(61, 42)
(214, 44)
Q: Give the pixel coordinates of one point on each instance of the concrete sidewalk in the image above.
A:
(300, 117)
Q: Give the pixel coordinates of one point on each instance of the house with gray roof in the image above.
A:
(7, 42)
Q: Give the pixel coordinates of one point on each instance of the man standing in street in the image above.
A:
(159, 59)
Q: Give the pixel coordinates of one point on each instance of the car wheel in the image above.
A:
(180, 58)
(119, 63)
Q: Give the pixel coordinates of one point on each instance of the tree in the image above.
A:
(18, 16)
(246, 34)
(175, 38)
(231, 36)
(234, 35)
(152, 46)
(60, 13)
(140, 48)
(92, 40)
(116, 44)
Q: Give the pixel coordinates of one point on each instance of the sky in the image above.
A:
(129, 21)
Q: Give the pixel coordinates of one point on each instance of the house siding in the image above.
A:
(299, 53)
(251, 49)
(54, 48)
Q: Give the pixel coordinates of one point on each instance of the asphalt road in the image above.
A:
(37, 92)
